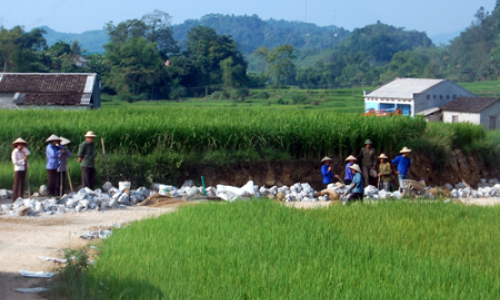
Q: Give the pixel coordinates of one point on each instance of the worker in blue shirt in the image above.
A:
(53, 155)
(402, 165)
(326, 171)
(357, 188)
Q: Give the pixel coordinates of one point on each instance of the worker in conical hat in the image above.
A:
(63, 166)
(403, 164)
(326, 171)
(357, 189)
(384, 172)
(20, 161)
(348, 172)
(86, 158)
(53, 155)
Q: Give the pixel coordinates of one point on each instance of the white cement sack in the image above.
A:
(383, 194)
(43, 190)
(124, 199)
(113, 203)
(248, 188)
(396, 195)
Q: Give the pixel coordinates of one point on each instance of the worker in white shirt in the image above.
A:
(19, 159)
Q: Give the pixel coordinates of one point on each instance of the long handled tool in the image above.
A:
(105, 158)
(28, 178)
(69, 179)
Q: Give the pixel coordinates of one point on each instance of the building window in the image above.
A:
(447, 97)
(493, 122)
(440, 97)
(428, 97)
(454, 119)
(434, 97)
(454, 97)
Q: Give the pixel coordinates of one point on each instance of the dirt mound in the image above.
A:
(158, 200)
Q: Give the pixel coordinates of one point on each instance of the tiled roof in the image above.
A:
(48, 89)
(49, 99)
(469, 104)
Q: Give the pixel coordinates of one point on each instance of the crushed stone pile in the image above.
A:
(109, 197)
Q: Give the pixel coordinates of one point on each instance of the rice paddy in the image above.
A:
(264, 250)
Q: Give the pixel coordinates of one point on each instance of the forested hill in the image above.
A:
(250, 32)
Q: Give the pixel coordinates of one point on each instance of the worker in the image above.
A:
(326, 171)
(348, 173)
(86, 157)
(63, 166)
(357, 189)
(368, 159)
(20, 161)
(403, 163)
(53, 155)
(385, 172)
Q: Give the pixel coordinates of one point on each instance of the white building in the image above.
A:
(413, 95)
(49, 90)
(475, 110)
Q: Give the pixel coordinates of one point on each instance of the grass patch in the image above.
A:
(263, 250)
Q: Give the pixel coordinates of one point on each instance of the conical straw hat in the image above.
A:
(53, 138)
(383, 156)
(405, 150)
(356, 168)
(90, 134)
(19, 141)
(64, 141)
(351, 158)
(326, 158)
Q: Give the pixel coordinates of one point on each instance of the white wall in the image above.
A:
(491, 111)
(6, 101)
(473, 118)
(439, 95)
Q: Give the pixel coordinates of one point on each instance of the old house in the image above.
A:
(49, 90)
(475, 110)
(414, 95)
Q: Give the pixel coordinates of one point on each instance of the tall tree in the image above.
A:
(159, 31)
(280, 61)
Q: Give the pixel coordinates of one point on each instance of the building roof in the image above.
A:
(404, 88)
(49, 88)
(469, 104)
(429, 111)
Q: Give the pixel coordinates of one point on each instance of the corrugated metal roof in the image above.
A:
(89, 84)
(469, 104)
(429, 111)
(404, 88)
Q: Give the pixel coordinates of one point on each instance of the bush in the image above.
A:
(217, 96)
(261, 95)
(240, 94)
(298, 98)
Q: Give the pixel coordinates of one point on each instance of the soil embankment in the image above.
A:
(459, 166)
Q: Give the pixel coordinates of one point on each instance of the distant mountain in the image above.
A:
(92, 41)
(250, 32)
(445, 38)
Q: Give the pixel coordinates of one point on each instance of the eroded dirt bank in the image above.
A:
(459, 166)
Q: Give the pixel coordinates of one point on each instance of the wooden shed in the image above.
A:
(50, 90)
(476, 110)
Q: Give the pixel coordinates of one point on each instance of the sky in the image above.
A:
(432, 16)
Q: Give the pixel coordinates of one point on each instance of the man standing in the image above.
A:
(53, 155)
(86, 156)
(403, 165)
(368, 159)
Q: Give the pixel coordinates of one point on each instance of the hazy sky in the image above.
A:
(432, 16)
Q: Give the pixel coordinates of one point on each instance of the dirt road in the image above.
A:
(24, 239)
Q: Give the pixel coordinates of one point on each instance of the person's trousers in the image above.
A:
(400, 179)
(88, 177)
(386, 185)
(18, 189)
(61, 180)
(366, 175)
(355, 196)
(52, 183)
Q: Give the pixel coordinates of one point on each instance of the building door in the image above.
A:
(493, 122)
(454, 119)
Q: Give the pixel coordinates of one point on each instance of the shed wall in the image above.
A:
(490, 111)
(473, 118)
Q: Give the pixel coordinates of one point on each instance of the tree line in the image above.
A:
(143, 59)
